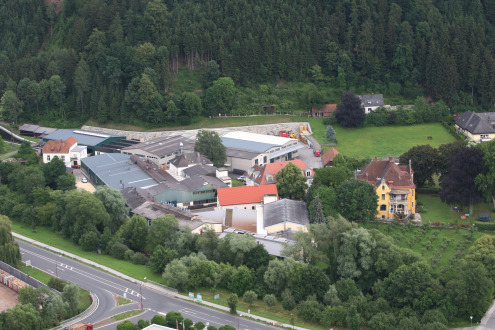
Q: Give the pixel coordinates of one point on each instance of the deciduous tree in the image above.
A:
(209, 144)
(424, 161)
(357, 200)
(290, 182)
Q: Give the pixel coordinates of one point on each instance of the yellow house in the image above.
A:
(394, 186)
(478, 127)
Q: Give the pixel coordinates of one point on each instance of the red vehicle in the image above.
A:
(76, 166)
(283, 134)
(317, 153)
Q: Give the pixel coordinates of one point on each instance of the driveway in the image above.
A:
(307, 156)
(79, 174)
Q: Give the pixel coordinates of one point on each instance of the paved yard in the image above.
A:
(8, 298)
(306, 155)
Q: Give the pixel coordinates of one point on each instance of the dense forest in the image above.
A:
(116, 60)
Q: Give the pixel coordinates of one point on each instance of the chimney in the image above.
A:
(376, 157)
(391, 159)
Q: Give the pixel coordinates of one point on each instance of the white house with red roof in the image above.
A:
(67, 150)
(263, 175)
(246, 197)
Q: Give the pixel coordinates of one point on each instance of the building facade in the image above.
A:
(394, 185)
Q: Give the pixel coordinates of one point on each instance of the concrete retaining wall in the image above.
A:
(269, 129)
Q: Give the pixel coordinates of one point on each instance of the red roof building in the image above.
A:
(246, 196)
(59, 146)
(394, 186)
(262, 175)
(325, 111)
(328, 157)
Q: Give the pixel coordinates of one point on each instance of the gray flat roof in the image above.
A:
(239, 153)
(285, 151)
(163, 145)
(112, 168)
(247, 145)
(86, 138)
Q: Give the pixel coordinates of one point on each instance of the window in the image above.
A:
(383, 197)
(412, 204)
(383, 207)
(485, 136)
(253, 207)
(48, 157)
(308, 174)
(413, 193)
(256, 161)
(383, 187)
(63, 158)
(264, 159)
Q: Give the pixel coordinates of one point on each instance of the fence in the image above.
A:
(21, 276)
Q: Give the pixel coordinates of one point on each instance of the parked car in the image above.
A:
(76, 166)
(317, 153)
(242, 178)
(84, 180)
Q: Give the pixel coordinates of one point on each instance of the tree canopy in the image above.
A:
(209, 144)
(349, 112)
(291, 183)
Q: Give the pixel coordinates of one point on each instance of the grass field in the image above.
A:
(436, 210)
(46, 236)
(388, 140)
(126, 315)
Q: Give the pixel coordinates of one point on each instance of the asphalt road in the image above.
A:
(105, 286)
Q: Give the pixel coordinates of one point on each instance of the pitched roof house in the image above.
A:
(261, 175)
(371, 102)
(328, 157)
(325, 111)
(246, 197)
(67, 150)
(394, 185)
(478, 127)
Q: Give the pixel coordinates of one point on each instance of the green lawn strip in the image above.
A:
(122, 301)
(237, 183)
(437, 211)
(386, 141)
(276, 313)
(128, 314)
(46, 236)
(84, 296)
(437, 247)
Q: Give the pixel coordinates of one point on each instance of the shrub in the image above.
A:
(89, 241)
(485, 226)
(188, 323)
(126, 325)
(57, 284)
(333, 316)
(310, 309)
(232, 302)
(128, 254)
(117, 250)
(199, 326)
(270, 300)
(159, 319)
(139, 258)
(143, 324)
(249, 297)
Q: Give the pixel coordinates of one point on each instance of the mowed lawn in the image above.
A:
(388, 140)
(436, 210)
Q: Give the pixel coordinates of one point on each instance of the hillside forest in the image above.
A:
(119, 60)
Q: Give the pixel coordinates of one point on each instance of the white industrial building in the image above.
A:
(244, 150)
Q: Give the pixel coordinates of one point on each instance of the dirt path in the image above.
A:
(8, 298)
